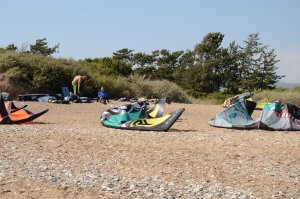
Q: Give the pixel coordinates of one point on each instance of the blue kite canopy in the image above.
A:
(236, 116)
(140, 116)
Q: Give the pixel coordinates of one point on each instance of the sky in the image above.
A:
(97, 28)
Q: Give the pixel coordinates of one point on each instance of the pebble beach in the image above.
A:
(67, 153)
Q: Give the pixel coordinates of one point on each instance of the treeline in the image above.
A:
(209, 67)
(206, 69)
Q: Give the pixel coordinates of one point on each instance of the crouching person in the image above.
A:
(102, 96)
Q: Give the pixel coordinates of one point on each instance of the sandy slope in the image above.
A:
(69, 154)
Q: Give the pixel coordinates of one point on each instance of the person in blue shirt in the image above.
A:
(102, 96)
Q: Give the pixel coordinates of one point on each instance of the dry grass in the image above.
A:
(286, 96)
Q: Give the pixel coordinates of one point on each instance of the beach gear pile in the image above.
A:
(64, 98)
(139, 115)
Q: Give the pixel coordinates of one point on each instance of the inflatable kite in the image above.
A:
(10, 114)
(238, 98)
(280, 117)
(261, 103)
(236, 116)
(140, 116)
(273, 117)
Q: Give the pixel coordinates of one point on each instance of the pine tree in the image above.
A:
(41, 47)
(258, 65)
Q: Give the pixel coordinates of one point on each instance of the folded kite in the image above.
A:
(140, 116)
(10, 114)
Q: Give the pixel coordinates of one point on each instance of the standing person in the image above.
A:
(78, 79)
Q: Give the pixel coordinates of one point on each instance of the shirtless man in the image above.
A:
(78, 79)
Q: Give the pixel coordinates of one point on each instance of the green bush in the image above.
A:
(158, 89)
(8, 60)
(107, 66)
(196, 94)
(219, 96)
(37, 73)
(211, 98)
(20, 76)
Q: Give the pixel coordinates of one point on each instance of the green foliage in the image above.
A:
(20, 76)
(107, 66)
(201, 72)
(8, 60)
(158, 89)
(258, 64)
(148, 72)
(220, 97)
(210, 67)
(115, 86)
(41, 47)
(211, 98)
(11, 47)
(124, 55)
(38, 73)
(232, 73)
(136, 86)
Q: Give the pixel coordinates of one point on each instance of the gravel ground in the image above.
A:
(67, 153)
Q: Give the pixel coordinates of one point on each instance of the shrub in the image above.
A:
(158, 89)
(287, 96)
(107, 66)
(5, 86)
(296, 89)
(212, 98)
(219, 97)
(8, 60)
(37, 73)
(279, 89)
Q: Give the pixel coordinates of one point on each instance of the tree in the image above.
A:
(208, 65)
(143, 60)
(232, 70)
(108, 66)
(11, 47)
(186, 61)
(125, 55)
(169, 58)
(167, 62)
(267, 76)
(258, 65)
(41, 47)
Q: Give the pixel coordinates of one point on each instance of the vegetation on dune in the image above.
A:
(184, 76)
(284, 95)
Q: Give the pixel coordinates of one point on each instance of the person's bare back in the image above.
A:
(77, 82)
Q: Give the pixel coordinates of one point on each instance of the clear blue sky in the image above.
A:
(97, 28)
